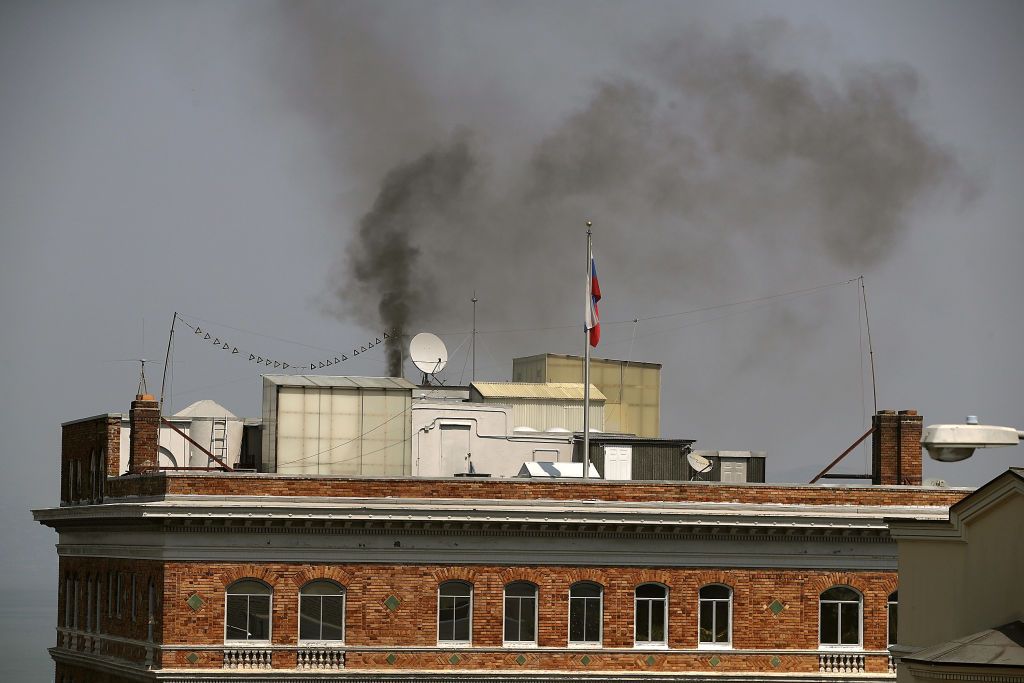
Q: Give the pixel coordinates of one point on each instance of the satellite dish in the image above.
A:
(698, 463)
(428, 353)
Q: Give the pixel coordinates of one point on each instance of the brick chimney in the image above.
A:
(896, 448)
(144, 420)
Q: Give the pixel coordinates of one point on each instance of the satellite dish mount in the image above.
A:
(429, 355)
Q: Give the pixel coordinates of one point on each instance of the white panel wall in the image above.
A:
(494, 447)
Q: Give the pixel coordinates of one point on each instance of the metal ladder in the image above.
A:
(219, 438)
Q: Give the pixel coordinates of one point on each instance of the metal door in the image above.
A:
(454, 449)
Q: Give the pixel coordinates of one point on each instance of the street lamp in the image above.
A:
(951, 443)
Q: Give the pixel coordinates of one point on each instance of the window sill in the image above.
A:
(455, 643)
(246, 643)
(516, 644)
(650, 646)
(857, 647)
(321, 643)
(714, 646)
(585, 646)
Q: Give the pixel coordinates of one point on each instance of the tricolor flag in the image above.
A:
(593, 320)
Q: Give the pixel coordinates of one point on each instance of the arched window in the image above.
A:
(247, 607)
(455, 612)
(322, 612)
(893, 611)
(714, 626)
(651, 609)
(585, 604)
(840, 617)
(520, 613)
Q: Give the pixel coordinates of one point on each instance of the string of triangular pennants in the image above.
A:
(319, 364)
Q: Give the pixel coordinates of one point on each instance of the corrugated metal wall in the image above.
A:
(545, 415)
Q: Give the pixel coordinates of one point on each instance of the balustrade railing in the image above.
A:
(247, 658)
(321, 659)
(840, 663)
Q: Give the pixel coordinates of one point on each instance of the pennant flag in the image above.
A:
(207, 336)
(344, 357)
(226, 346)
(234, 350)
(312, 366)
(259, 359)
(276, 364)
(336, 361)
(593, 320)
(385, 335)
(284, 365)
(252, 356)
(328, 363)
(378, 338)
(321, 364)
(198, 331)
(216, 342)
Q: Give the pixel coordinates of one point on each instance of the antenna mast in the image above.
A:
(167, 359)
(474, 336)
(871, 349)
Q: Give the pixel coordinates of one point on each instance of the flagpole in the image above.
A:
(586, 361)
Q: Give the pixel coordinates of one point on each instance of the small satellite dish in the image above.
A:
(698, 463)
(428, 353)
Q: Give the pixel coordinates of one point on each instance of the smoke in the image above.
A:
(699, 158)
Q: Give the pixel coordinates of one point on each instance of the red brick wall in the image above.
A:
(145, 434)
(896, 448)
(370, 623)
(85, 445)
(99, 571)
(496, 489)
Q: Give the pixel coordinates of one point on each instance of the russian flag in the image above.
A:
(593, 320)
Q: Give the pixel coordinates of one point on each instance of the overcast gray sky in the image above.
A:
(220, 159)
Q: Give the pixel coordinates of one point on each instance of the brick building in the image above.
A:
(224, 575)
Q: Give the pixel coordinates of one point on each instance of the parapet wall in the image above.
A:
(221, 484)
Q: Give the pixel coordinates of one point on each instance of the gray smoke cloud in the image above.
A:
(704, 154)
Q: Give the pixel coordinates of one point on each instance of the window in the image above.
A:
(651, 609)
(840, 617)
(322, 612)
(110, 594)
(99, 601)
(455, 612)
(134, 598)
(150, 611)
(88, 604)
(120, 593)
(893, 610)
(715, 616)
(247, 607)
(521, 613)
(74, 608)
(69, 601)
(585, 614)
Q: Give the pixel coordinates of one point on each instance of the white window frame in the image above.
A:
(860, 619)
(647, 644)
(702, 645)
(890, 604)
(586, 644)
(455, 643)
(270, 614)
(344, 616)
(536, 615)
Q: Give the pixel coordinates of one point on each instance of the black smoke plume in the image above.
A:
(706, 161)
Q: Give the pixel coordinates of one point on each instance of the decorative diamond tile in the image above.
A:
(392, 602)
(520, 660)
(586, 660)
(776, 607)
(391, 658)
(195, 602)
(192, 657)
(775, 661)
(650, 660)
(715, 661)
(454, 659)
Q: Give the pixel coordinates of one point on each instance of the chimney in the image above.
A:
(144, 420)
(896, 448)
